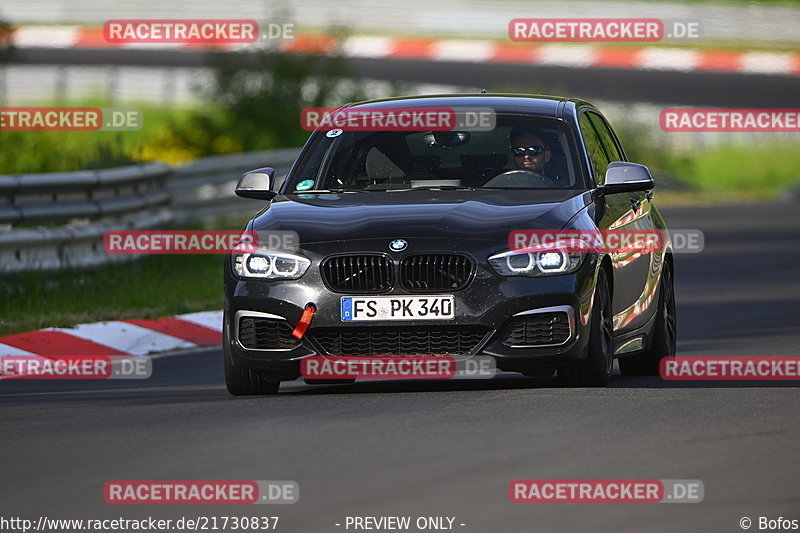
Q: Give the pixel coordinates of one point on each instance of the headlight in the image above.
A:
(268, 264)
(534, 264)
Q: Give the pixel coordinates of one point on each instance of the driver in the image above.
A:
(531, 153)
(529, 149)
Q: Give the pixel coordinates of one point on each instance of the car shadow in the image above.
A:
(511, 381)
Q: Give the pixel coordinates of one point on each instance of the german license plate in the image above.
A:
(375, 308)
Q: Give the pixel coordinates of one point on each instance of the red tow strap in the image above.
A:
(305, 321)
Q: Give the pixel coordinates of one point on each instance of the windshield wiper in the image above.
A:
(437, 188)
(324, 191)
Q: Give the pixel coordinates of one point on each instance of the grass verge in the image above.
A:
(29, 152)
(154, 286)
(736, 171)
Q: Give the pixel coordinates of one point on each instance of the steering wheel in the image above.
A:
(521, 179)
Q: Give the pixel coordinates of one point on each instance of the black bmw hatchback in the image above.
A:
(403, 243)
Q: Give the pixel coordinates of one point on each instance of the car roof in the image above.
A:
(550, 106)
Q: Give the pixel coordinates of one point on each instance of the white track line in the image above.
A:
(5, 349)
(767, 63)
(455, 50)
(566, 56)
(665, 59)
(207, 319)
(46, 36)
(125, 337)
(367, 46)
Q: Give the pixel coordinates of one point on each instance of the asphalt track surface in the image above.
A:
(451, 448)
(716, 89)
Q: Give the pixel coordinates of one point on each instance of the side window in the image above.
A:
(606, 137)
(595, 150)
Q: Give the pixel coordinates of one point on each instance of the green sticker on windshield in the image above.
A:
(304, 185)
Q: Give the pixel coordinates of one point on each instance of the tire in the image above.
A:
(664, 333)
(595, 370)
(242, 381)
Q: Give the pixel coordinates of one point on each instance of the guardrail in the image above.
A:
(57, 220)
(204, 188)
(89, 194)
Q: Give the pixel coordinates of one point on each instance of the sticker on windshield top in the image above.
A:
(333, 133)
(304, 185)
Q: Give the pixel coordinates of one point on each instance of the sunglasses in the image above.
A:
(520, 151)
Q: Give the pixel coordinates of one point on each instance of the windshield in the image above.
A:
(521, 152)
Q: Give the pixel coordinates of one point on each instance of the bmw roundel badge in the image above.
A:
(398, 245)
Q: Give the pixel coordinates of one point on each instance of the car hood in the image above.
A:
(474, 215)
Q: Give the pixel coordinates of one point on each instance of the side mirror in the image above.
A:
(256, 184)
(627, 177)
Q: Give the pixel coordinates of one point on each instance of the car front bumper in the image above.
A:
(490, 302)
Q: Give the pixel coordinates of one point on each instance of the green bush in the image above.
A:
(255, 104)
(760, 169)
